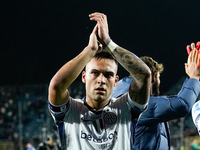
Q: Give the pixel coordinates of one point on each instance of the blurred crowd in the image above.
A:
(25, 107)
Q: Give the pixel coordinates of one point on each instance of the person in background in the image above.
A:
(151, 129)
(30, 146)
(195, 145)
(49, 144)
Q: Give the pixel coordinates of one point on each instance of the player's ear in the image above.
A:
(116, 80)
(153, 78)
(83, 77)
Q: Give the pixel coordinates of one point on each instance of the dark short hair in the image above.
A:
(152, 64)
(105, 55)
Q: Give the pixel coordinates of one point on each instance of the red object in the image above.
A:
(197, 47)
(188, 49)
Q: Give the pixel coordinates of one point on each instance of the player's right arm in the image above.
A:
(58, 87)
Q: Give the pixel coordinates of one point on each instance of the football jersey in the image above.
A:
(82, 128)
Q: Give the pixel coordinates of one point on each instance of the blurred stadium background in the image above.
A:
(24, 117)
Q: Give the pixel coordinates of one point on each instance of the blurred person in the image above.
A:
(30, 146)
(195, 145)
(98, 121)
(50, 144)
(151, 129)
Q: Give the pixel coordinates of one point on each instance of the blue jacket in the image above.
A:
(151, 131)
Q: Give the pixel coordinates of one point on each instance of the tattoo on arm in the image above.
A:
(139, 88)
(130, 62)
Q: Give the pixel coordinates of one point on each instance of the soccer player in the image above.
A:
(98, 121)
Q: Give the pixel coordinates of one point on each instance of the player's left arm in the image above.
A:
(139, 89)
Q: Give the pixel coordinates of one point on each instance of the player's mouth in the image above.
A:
(100, 90)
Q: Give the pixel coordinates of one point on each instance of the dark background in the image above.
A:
(38, 37)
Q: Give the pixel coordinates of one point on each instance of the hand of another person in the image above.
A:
(192, 66)
(189, 48)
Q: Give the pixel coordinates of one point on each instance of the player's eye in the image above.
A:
(108, 74)
(96, 73)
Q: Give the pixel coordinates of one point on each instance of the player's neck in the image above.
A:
(96, 105)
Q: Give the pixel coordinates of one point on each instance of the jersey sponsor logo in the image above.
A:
(110, 118)
(107, 145)
(89, 137)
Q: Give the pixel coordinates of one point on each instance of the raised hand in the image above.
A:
(102, 24)
(93, 43)
(192, 67)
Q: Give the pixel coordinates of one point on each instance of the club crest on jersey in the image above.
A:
(110, 118)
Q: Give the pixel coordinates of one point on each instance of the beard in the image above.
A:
(155, 90)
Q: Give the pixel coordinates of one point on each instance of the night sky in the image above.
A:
(38, 37)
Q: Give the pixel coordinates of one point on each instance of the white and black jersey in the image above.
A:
(82, 128)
